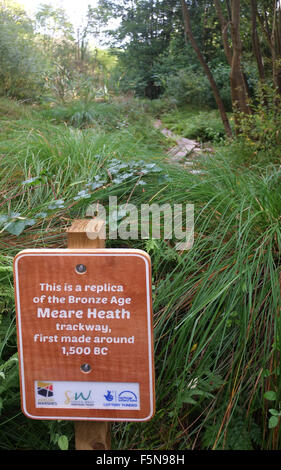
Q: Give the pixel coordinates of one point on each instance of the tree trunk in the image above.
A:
(188, 32)
(276, 46)
(224, 27)
(255, 41)
(228, 49)
(273, 38)
(238, 90)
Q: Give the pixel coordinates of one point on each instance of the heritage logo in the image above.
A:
(45, 394)
(45, 389)
(127, 396)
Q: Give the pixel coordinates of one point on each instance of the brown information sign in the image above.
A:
(85, 339)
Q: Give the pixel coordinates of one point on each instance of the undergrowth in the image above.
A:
(216, 307)
(201, 125)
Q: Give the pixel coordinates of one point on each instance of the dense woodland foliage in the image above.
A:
(76, 126)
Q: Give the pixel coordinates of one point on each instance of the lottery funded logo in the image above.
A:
(121, 399)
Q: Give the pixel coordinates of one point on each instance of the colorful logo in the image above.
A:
(127, 396)
(45, 389)
(74, 397)
(109, 396)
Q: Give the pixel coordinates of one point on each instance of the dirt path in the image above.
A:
(186, 151)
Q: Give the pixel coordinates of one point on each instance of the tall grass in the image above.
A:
(216, 307)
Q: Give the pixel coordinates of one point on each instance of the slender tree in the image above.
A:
(224, 30)
(269, 15)
(193, 42)
(256, 42)
(232, 45)
(240, 98)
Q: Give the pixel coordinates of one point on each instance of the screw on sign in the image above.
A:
(85, 337)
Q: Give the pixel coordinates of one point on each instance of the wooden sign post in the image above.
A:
(84, 323)
(89, 435)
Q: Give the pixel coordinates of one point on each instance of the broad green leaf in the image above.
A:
(270, 395)
(4, 219)
(82, 195)
(96, 185)
(17, 227)
(273, 421)
(63, 442)
(30, 222)
(58, 204)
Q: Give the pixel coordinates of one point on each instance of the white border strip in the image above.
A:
(149, 321)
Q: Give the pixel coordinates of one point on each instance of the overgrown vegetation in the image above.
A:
(73, 134)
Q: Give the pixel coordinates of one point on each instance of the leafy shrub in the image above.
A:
(193, 124)
(221, 74)
(259, 132)
(158, 107)
(191, 86)
(22, 62)
(187, 86)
